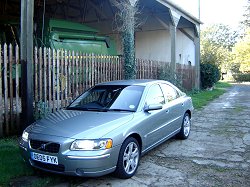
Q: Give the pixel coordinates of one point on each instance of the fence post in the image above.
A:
(5, 75)
(49, 77)
(66, 77)
(77, 74)
(40, 74)
(1, 97)
(53, 77)
(36, 86)
(11, 83)
(57, 79)
(17, 85)
(45, 78)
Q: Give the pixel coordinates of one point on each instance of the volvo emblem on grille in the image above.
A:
(43, 146)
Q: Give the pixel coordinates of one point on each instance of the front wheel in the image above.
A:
(128, 160)
(185, 128)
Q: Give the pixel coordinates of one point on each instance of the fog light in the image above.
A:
(79, 171)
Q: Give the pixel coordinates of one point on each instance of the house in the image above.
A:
(166, 32)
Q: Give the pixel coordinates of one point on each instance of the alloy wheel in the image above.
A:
(131, 158)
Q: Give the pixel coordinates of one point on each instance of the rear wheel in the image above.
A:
(185, 128)
(128, 160)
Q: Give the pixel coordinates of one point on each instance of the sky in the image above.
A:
(215, 11)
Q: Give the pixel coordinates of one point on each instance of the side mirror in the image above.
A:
(151, 107)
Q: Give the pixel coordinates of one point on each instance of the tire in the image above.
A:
(185, 128)
(128, 160)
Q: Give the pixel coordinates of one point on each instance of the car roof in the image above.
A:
(140, 82)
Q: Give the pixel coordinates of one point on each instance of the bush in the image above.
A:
(242, 77)
(210, 74)
(166, 74)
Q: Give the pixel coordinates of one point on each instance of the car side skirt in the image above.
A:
(161, 141)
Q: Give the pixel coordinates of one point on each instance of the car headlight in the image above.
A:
(25, 136)
(99, 144)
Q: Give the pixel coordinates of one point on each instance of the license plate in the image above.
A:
(44, 158)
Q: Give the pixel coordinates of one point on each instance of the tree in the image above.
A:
(125, 20)
(241, 52)
(220, 35)
(246, 21)
(217, 42)
(214, 54)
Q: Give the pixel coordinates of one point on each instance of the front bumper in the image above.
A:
(77, 163)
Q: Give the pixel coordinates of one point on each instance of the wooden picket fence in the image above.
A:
(61, 75)
(10, 101)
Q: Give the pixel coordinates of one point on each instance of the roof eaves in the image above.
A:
(172, 4)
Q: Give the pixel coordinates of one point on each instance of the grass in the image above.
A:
(202, 98)
(12, 165)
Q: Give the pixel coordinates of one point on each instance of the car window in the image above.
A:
(170, 93)
(109, 97)
(155, 95)
(128, 98)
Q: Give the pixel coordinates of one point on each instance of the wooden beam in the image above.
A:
(165, 25)
(97, 9)
(186, 34)
(81, 10)
(27, 14)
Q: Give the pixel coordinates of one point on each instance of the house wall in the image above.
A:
(185, 49)
(156, 45)
(153, 45)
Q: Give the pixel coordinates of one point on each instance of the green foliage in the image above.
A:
(173, 77)
(214, 54)
(241, 53)
(241, 77)
(246, 16)
(12, 164)
(220, 35)
(216, 45)
(129, 55)
(210, 74)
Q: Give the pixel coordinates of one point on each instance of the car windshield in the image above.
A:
(109, 98)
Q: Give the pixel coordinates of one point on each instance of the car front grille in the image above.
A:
(58, 168)
(49, 147)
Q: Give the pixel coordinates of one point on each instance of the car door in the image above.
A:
(154, 119)
(175, 108)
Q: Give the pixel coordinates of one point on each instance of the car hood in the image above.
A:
(80, 124)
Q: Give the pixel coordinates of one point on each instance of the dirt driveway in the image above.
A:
(217, 152)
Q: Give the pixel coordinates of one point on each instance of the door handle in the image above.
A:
(167, 111)
(182, 104)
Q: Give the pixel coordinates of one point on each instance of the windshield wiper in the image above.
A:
(77, 108)
(99, 109)
(86, 109)
(120, 110)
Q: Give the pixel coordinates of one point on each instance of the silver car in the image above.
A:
(108, 128)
